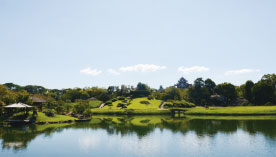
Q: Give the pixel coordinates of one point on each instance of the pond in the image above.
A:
(144, 136)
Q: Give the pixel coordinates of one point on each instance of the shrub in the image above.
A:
(168, 105)
(122, 105)
(144, 102)
(87, 113)
(80, 108)
(183, 104)
(268, 104)
(121, 98)
(113, 100)
(50, 113)
(150, 97)
(60, 109)
(109, 103)
(124, 101)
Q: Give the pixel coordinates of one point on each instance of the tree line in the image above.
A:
(201, 92)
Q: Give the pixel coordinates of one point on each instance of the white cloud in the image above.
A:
(142, 68)
(90, 71)
(113, 72)
(187, 70)
(240, 71)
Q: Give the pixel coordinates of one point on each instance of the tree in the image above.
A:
(13, 87)
(247, 91)
(228, 91)
(182, 83)
(263, 92)
(199, 92)
(210, 85)
(142, 86)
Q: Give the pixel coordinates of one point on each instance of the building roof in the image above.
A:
(92, 98)
(18, 105)
(37, 100)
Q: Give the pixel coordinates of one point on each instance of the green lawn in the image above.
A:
(57, 118)
(95, 103)
(135, 104)
(135, 108)
(92, 104)
(41, 117)
(240, 110)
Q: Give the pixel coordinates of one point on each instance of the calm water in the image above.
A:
(144, 136)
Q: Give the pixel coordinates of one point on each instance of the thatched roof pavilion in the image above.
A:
(18, 105)
(38, 100)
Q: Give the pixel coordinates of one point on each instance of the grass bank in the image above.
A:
(153, 109)
(130, 111)
(239, 110)
(57, 118)
(41, 117)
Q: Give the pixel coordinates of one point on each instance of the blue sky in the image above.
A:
(70, 43)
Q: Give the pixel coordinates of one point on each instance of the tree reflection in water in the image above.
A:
(18, 138)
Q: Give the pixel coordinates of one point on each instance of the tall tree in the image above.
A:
(228, 91)
(247, 91)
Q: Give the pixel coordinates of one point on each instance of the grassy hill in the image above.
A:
(135, 106)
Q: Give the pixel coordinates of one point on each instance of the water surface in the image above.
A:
(144, 136)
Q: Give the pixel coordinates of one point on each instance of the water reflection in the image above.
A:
(201, 129)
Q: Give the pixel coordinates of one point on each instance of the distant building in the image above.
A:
(38, 102)
(92, 98)
(182, 83)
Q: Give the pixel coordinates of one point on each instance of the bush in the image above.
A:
(183, 104)
(80, 108)
(60, 109)
(87, 113)
(124, 101)
(109, 103)
(122, 105)
(268, 104)
(144, 102)
(168, 105)
(150, 97)
(50, 113)
(121, 98)
(113, 100)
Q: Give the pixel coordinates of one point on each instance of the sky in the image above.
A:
(84, 43)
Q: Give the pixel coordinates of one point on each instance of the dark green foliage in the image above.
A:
(144, 102)
(80, 108)
(87, 113)
(173, 94)
(183, 104)
(228, 91)
(263, 92)
(122, 105)
(142, 87)
(50, 113)
(121, 98)
(201, 91)
(247, 92)
(178, 104)
(140, 93)
(109, 103)
(168, 105)
(150, 97)
(113, 100)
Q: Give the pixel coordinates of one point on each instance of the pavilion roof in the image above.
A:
(37, 99)
(18, 105)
